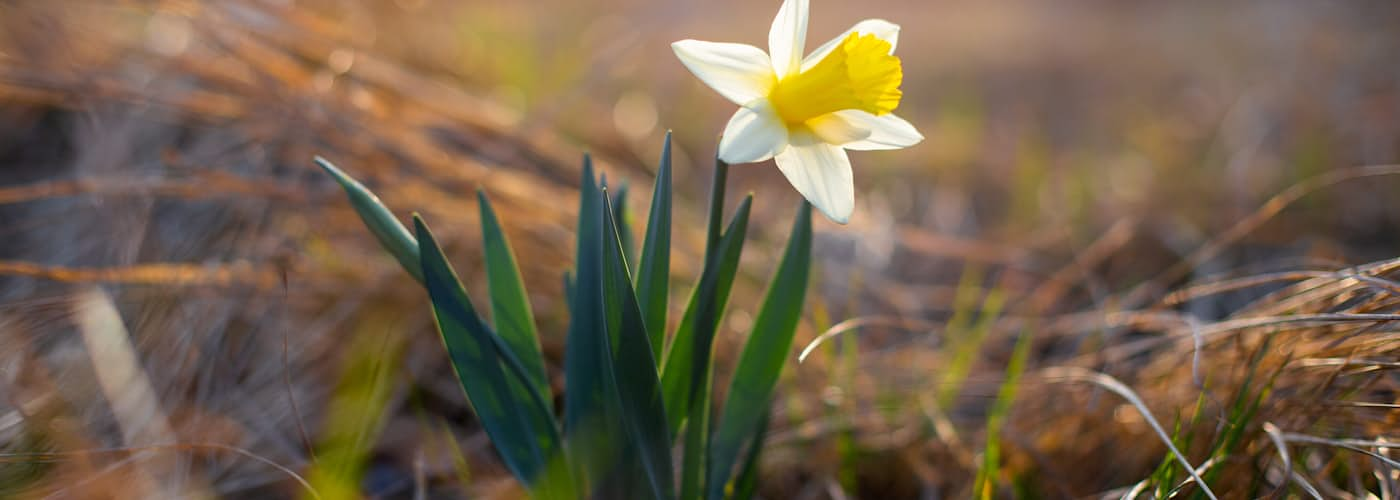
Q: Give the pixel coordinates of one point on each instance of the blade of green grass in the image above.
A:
(386, 228)
(1239, 421)
(510, 306)
(1064, 374)
(629, 362)
(966, 344)
(517, 420)
(356, 415)
(461, 469)
(965, 301)
(763, 357)
(990, 468)
(654, 269)
(1164, 476)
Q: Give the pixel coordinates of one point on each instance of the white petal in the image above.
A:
(886, 131)
(822, 173)
(835, 130)
(788, 37)
(755, 133)
(881, 28)
(740, 73)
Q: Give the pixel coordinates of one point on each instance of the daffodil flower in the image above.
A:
(804, 112)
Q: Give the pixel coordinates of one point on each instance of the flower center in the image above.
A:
(859, 74)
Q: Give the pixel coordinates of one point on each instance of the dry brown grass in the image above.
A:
(160, 150)
(181, 180)
(1315, 347)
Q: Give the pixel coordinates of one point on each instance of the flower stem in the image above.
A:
(697, 427)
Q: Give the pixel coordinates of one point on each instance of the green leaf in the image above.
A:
(568, 287)
(697, 439)
(688, 377)
(990, 468)
(583, 375)
(717, 187)
(746, 485)
(687, 382)
(689, 353)
(386, 228)
(516, 419)
(623, 219)
(756, 376)
(654, 270)
(632, 369)
(592, 420)
(510, 306)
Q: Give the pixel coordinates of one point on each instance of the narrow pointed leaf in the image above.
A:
(592, 420)
(716, 218)
(688, 381)
(697, 439)
(386, 228)
(510, 307)
(633, 371)
(623, 219)
(747, 483)
(517, 421)
(569, 287)
(583, 375)
(654, 269)
(689, 352)
(763, 357)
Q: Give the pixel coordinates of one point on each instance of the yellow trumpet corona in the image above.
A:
(860, 74)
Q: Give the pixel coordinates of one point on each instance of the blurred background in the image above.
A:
(189, 308)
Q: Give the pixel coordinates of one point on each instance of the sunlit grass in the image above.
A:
(1160, 193)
